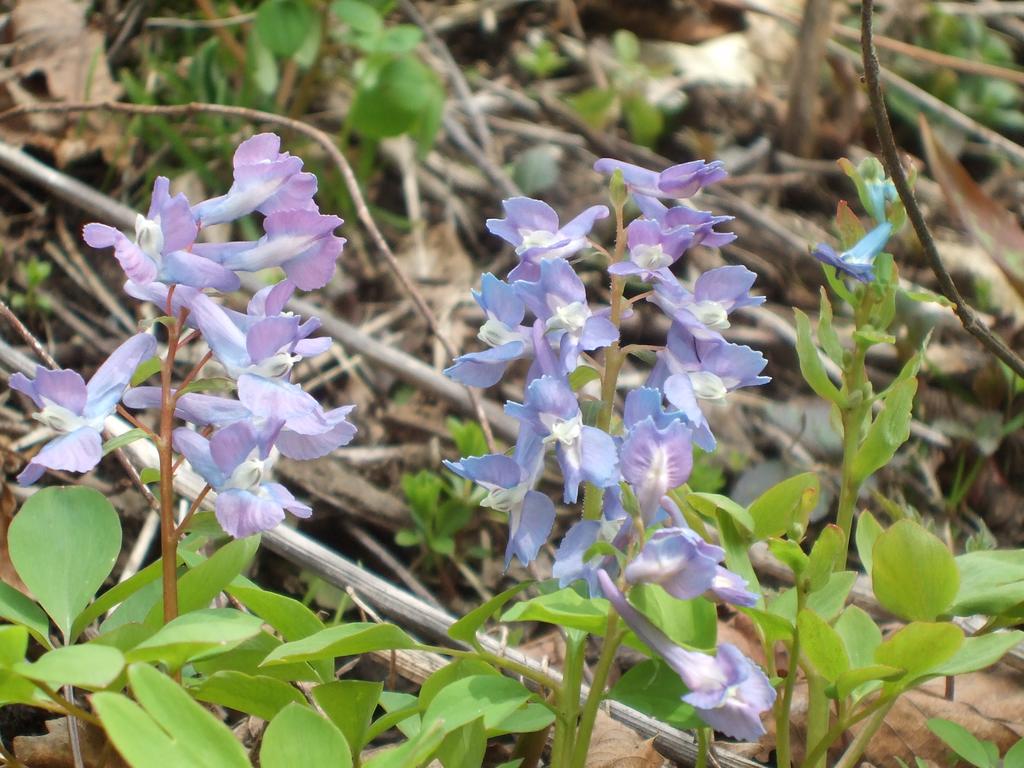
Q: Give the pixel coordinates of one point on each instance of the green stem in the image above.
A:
(703, 747)
(817, 712)
(783, 755)
(568, 709)
(851, 756)
(821, 746)
(612, 638)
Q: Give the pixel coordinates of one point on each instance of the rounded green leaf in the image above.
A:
(489, 696)
(283, 25)
(64, 543)
(791, 501)
(564, 608)
(342, 640)
(256, 695)
(195, 634)
(86, 666)
(920, 648)
(912, 572)
(822, 645)
(299, 736)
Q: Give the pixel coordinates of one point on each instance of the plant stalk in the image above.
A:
(612, 638)
(165, 447)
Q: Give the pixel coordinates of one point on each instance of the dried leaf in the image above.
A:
(53, 749)
(616, 746)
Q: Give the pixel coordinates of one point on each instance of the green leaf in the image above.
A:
(137, 736)
(1014, 757)
(564, 608)
(827, 602)
(790, 554)
(465, 746)
(261, 66)
(342, 640)
(774, 627)
(149, 475)
(13, 644)
(350, 705)
(196, 634)
(123, 439)
(920, 648)
(980, 652)
(202, 736)
(283, 25)
(401, 38)
(787, 503)
(449, 673)
(214, 383)
(596, 106)
(644, 121)
(827, 554)
(822, 645)
(686, 622)
(115, 596)
(363, 20)
(582, 376)
(827, 336)
(811, 367)
(961, 741)
(396, 101)
(530, 719)
(491, 697)
(654, 688)
(299, 736)
(465, 629)
(256, 695)
(867, 533)
(913, 574)
(64, 543)
(85, 666)
(860, 635)
(737, 551)
(146, 369)
(887, 432)
(991, 582)
(708, 503)
(852, 679)
(18, 609)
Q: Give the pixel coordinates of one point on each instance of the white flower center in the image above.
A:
(564, 431)
(275, 366)
(504, 499)
(536, 238)
(650, 256)
(569, 317)
(495, 333)
(247, 475)
(59, 418)
(711, 313)
(149, 237)
(708, 386)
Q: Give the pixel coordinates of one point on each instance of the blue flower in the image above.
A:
(655, 460)
(859, 261)
(716, 293)
(678, 182)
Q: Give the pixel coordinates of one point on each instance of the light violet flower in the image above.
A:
(509, 482)
(236, 466)
(859, 261)
(701, 223)
(652, 251)
(532, 227)
(727, 690)
(654, 461)
(729, 587)
(678, 182)
(260, 359)
(162, 251)
(716, 293)
(502, 331)
(302, 243)
(77, 410)
(678, 560)
(265, 180)
(559, 300)
(585, 454)
(614, 527)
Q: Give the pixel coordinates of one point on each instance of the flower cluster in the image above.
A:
(628, 463)
(238, 439)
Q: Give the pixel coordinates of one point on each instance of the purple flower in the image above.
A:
(532, 227)
(652, 251)
(502, 331)
(260, 359)
(301, 242)
(266, 180)
(614, 527)
(692, 370)
(701, 223)
(656, 460)
(585, 454)
(678, 560)
(559, 299)
(727, 690)
(235, 463)
(77, 410)
(716, 293)
(303, 437)
(509, 482)
(678, 182)
(859, 261)
(162, 251)
(729, 587)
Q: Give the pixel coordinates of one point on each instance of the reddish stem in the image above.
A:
(168, 530)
